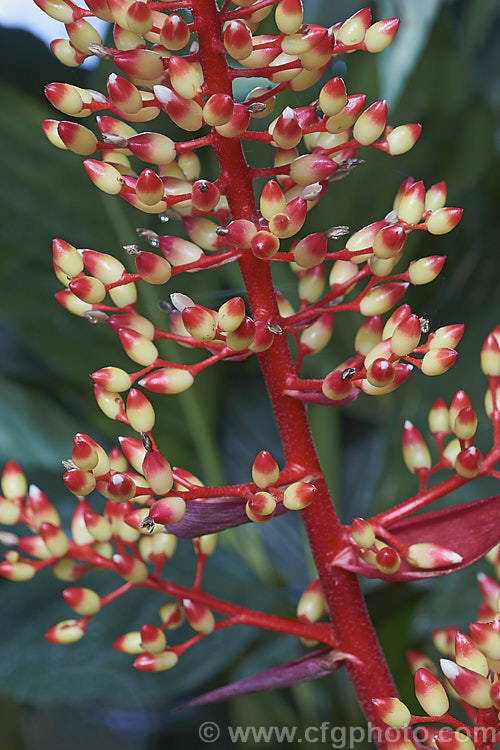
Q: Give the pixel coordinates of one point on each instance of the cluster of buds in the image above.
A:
(470, 668)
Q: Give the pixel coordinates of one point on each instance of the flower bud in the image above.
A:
(431, 556)
(465, 424)
(381, 298)
(261, 507)
(186, 113)
(411, 206)
(333, 97)
(468, 655)
(335, 387)
(67, 258)
(312, 605)
(198, 616)
(370, 124)
(152, 639)
(316, 336)
(156, 662)
(430, 693)
(184, 77)
(439, 422)
(415, 451)
(168, 511)
(369, 334)
(84, 455)
(446, 336)
(130, 568)
(241, 337)
(84, 601)
(13, 482)
(311, 250)
(425, 270)
(199, 322)
(362, 532)
(272, 200)
(66, 631)
(178, 251)
(451, 740)
(237, 39)
(468, 462)
(149, 187)
(471, 687)
(158, 473)
(299, 495)
(174, 34)
(380, 34)
(124, 95)
(403, 138)
(406, 336)
(435, 197)
(443, 220)
(79, 482)
(490, 357)
(286, 131)
(237, 124)
(289, 15)
(486, 638)
(265, 470)
(66, 98)
(172, 615)
(140, 412)
(380, 373)
(88, 289)
(110, 403)
(305, 170)
(438, 361)
(55, 539)
(389, 241)
(392, 711)
(138, 347)
(167, 380)
(218, 110)
(353, 30)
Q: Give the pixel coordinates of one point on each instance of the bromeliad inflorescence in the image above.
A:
(176, 62)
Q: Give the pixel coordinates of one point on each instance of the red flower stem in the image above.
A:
(350, 621)
(248, 11)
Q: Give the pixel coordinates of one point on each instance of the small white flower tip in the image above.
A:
(34, 490)
(181, 301)
(449, 668)
(408, 424)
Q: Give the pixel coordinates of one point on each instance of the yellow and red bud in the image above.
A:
(174, 33)
(98, 526)
(380, 35)
(139, 348)
(149, 187)
(82, 34)
(353, 30)
(139, 18)
(406, 336)
(264, 338)
(345, 119)
(443, 220)
(392, 711)
(104, 176)
(10, 512)
(198, 616)
(380, 373)
(202, 231)
(67, 54)
(199, 322)
(312, 605)
(60, 10)
(124, 95)
(184, 77)
(471, 687)
(130, 643)
(362, 532)
(369, 335)
(65, 632)
(139, 63)
(67, 257)
(415, 451)
(231, 314)
(299, 495)
(317, 58)
(237, 38)
(82, 600)
(272, 200)
(17, 571)
(178, 251)
(465, 424)
(490, 357)
(430, 693)
(111, 379)
(311, 250)
(102, 266)
(157, 548)
(468, 655)
(237, 124)
(316, 336)
(452, 740)
(429, 556)
(218, 110)
(134, 451)
(446, 336)
(286, 131)
(77, 138)
(13, 481)
(84, 455)
(152, 638)
(388, 242)
(425, 270)
(152, 268)
(265, 470)
(55, 539)
(110, 403)
(205, 545)
(289, 15)
(79, 482)
(435, 197)
(335, 387)
(66, 98)
(412, 203)
(438, 361)
(158, 473)
(381, 298)
(371, 123)
(205, 196)
(403, 138)
(306, 170)
(88, 289)
(459, 401)
(241, 337)
(311, 284)
(333, 97)
(168, 511)
(261, 507)
(439, 422)
(153, 147)
(167, 380)
(130, 568)
(186, 113)
(486, 638)
(265, 245)
(140, 412)
(468, 462)
(156, 662)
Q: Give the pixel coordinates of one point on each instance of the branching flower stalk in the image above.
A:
(180, 59)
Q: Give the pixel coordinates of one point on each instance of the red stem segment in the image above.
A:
(350, 621)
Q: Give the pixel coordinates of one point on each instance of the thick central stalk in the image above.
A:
(350, 621)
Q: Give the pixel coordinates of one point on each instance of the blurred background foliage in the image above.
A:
(441, 71)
